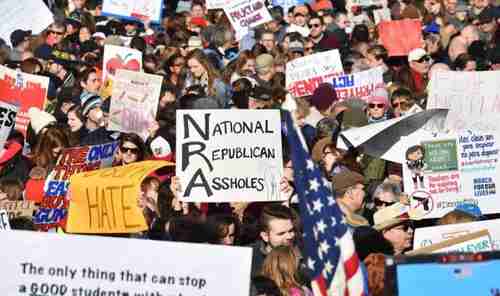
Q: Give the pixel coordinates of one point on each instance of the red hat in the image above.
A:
(199, 21)
(322, 5)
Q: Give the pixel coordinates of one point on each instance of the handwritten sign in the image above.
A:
(427, 236)
(245, 14)
(118, 57)
(479, 241)
(217, 4)
(25, 15)
(303, 75)
(8, 114)
(4, 220)
(473, 99)
(23, 90)
(463, 168)
(358, 85)
(398, 43)
(105, 266)
(134, 9)
(229, 155)
(105, 201)
(21, 208)
(134, 102)
(54, 206)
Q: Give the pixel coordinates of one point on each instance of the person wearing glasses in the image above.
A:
(52, 47)
(298, 23)
(132, 149)
(398, 230)
(322, 41)
(420, 62)
(403, 102)
(385, 195)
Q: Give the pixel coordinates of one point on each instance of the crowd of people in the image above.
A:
(204, 66)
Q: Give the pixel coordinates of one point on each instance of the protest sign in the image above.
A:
(8, 114)
(245, 14)
(453, 170)
(473, 98)
(217, 4)
(4, 220)
(105, 201)
(134, 102)
(134, 9)
(479, 241)
(358, 85)
(54, 206)
(401, 36)
(19, 208)
(229, 155)
(53, 264)
(304, 74)
(24, 15)
(23, 90)
(118, 57)
(382, 14)
(427, 236)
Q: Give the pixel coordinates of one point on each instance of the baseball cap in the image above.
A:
(416, 54)
(296, 46)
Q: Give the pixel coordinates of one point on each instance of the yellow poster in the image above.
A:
(105, 201)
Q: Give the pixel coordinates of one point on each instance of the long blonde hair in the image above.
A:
(281, 266)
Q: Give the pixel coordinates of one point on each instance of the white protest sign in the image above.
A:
(134, 9)
(245, 14)
(24, 15)
(217, 4)
(478, 241)
(8, 114)
(134, 102)
(304, 74)
(63, 265)
(426, 236)
(382, 14)
(358, 85)
(229, 155)
(472, 97)
(452, 170)
(4, 220)
(119, 57)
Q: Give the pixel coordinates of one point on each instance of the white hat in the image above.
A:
(391, 216)
(39, 119)
(160, 147)
(99, 35)
(416, 54)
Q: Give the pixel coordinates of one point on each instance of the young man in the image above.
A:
(19, 40)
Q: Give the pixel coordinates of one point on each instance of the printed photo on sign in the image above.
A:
(229, 155)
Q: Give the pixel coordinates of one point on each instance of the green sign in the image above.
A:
(440, 156)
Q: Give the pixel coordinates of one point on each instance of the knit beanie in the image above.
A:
(39, 119)
(89, 102)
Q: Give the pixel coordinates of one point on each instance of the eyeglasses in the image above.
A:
(405, 226)
(56, 32)
(379, 106)
(425, 58)
(314, 25)
(401, 104)
(128, 149)
(379, 202)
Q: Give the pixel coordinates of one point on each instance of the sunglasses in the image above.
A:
(405, 226)
(56, 32)
(379, 203)
(425, 58)
(128, 149)
(403, 104)
(314, 25)
(380, 106)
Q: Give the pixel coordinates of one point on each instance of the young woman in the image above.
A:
(76, 123)
(132, 149)
(224, 227)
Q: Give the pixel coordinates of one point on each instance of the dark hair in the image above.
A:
(461, 61)
(360, 33)
(188, 229)
(219, 224)
(13, 188)
(272, 212)
(413, 149)
(265, 286)
(138, 43)
(241, 93)
(22, 223)
(136, 140)
(368, 240)
(52, 138)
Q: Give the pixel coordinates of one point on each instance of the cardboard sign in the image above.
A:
(24, 15)
(427, 236)
(4, 220)
(20, 208)
(134, 102)
(395, 41)
(479, 241)
(134, 9)
(8, 113)
(246, 14)
(93, 265)
(23, 90)
(105, 201)
(454, 170)
(53, 210)
(358, 85)
(229, 155)
(454, 90)
(303, 75)
(118, 57)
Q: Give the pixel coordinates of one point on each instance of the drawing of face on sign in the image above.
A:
(415, 163)
(421, 203)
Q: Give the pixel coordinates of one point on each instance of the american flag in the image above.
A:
(330, 252)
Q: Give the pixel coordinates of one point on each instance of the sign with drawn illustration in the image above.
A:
(23, 90)
(246, 14)
(119, 57)
(229, 155)
(441, 173)
(473, 99)
(134, 102)
(303, 75)
(134, 9)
